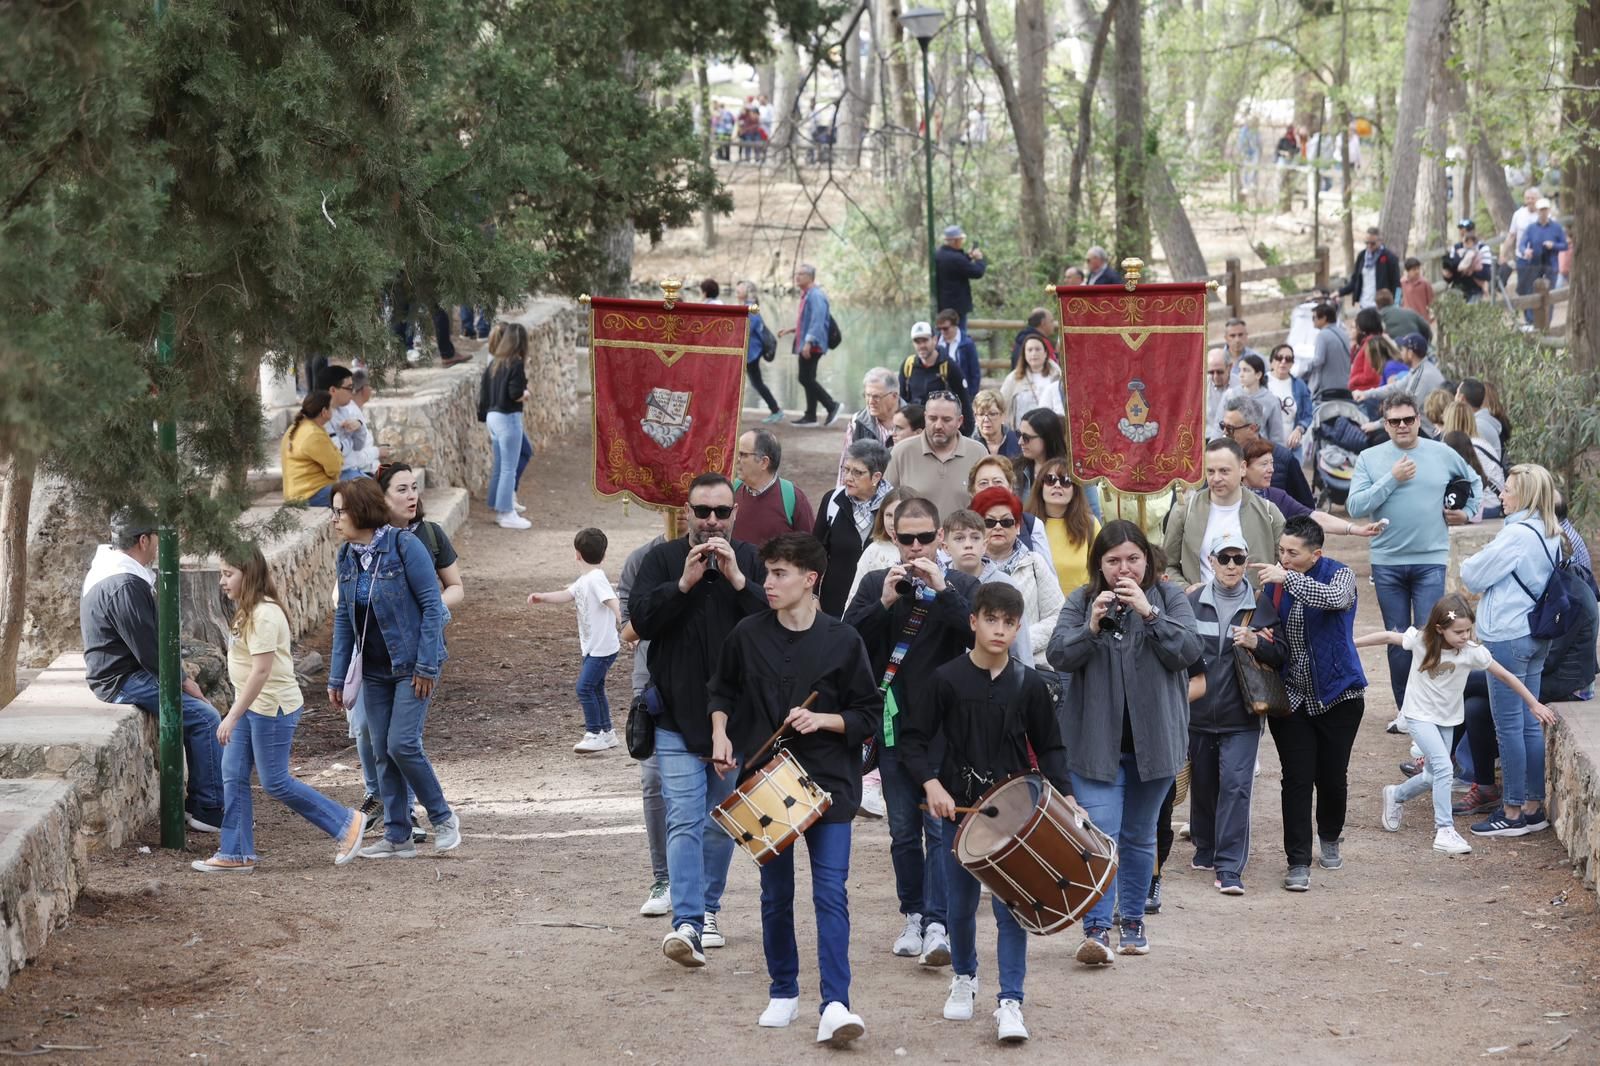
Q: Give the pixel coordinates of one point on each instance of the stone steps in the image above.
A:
(42, 864)
(1572, 768)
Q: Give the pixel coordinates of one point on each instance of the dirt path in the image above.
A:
(525, 947)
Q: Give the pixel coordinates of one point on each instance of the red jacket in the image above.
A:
(1362, 376)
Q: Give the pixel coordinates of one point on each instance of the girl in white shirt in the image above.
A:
(1035, 383)
(1443, 653)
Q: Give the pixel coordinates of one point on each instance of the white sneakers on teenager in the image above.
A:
(838, 1026)
(1391, 808)
(935, 946)
(1450, 842)
(779, 1013)
(1008, 1020)
(512, 520)
(593, 742)
(963, 993)
(908, 944)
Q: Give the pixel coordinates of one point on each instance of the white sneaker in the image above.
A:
(512, 520)
(872, 802)
(909, 943)
(963, 992)
(447, 834)
(935, 946)
(591, 742)
(838, 1026)
(779, 1013)
(1391, 808)
(520, 508)
(1449, 841)
(609, 738)
(200, 827)
(710, 935)
(1008, 1019)
(659, 901)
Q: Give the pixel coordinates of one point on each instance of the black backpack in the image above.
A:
(835, 338)
(769, 344)
(1551, 614)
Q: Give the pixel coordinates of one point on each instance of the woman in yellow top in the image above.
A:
(1061, 504)
(259, 728)
(311, 461)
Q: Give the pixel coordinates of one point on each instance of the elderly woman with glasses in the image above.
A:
(996, 471)
(880, 393)
(989, 411)
(1030, 571)
(1294, 399)
(846, 518)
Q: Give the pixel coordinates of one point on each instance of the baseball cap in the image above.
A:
(1416, 342)
(1543, 204)
(921, 329)
(1230, 538)
(130, 523)
(951, 232)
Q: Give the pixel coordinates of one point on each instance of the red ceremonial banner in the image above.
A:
(668, 380)
(1134, 361)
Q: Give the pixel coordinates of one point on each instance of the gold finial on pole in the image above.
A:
(1132, 269)
(583, 298)
(670, 288)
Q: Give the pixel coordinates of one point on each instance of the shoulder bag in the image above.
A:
(1261, 687)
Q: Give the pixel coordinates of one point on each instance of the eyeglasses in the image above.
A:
(336, 512)
(1403, 420)
(1231, 558)
(1217, 373)
(999, 523)
(701, 511)
(1056, 480)
(943, 394)
(909, 539)
(747, 455)
(1229, 431)
(856, 471)
(874, 397)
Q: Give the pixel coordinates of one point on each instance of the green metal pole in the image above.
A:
(927, 158)
(171, 663)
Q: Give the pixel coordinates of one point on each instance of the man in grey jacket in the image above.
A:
(117, 615)
(1330, 357)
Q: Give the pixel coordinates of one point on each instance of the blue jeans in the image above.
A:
(592, 692)
(915, 841)
(473, 321)
(524, 456)
(697, 851)
(1011, 944)
(1124, 810)
(261, 742)
(1434, 743)
(506, 438)
(394, 720)
(1520, 735)
(323, 497)
(200, 747)
(1406, 593)
(364, 752)
(828, 848)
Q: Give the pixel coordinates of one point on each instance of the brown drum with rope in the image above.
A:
(771, 808)
(1038, 853)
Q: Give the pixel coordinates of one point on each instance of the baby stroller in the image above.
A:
(1336, 439)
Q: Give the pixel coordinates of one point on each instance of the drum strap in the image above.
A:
(919, 614)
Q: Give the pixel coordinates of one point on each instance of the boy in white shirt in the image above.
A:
(599, 615)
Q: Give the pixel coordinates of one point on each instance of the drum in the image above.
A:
(1039, 854)
(771, 808)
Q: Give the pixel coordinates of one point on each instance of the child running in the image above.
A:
(599, 615)
(1443, 653)
(986, 710)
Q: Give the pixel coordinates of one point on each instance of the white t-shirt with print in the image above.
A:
(597, 626)
(1438, 698)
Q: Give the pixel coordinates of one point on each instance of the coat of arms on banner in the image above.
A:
(666, 418)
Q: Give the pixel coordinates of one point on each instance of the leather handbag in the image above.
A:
(1261, 687)
(641, 730)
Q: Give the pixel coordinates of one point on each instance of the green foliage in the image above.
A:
(1555, 420)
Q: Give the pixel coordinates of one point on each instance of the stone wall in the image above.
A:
(1572, 770)
(41, 867)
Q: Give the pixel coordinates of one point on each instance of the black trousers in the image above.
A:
(1479, 724)
(752, 372)
(815, 393)
(1315, 753)
(1164, 834)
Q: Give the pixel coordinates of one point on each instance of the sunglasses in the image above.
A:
(1231, 558)
(943, 394)
(1283, 359)
(1404, 420)
(1026, 438)
(909, 539)
(1056, 480)
(702, 511)
(1001, 523)
(1228, 430)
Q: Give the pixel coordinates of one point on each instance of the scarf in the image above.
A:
(891, 706)
(1019, 555)
(864, 511)
(366, 555)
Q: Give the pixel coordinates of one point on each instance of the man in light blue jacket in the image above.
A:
(811, 344)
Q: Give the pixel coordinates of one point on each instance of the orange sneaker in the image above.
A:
(218, 865)
(350, 843)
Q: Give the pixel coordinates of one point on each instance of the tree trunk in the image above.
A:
(1024, 98)
(786, 123)
(708, 221)
(1235, 73)
(1433, 210)
(1426, 27)
(1582, 112)
(1184, 257)
(16, 494)
(857, 109)
(1085, 145)
(1346, 177)
(1128, 154)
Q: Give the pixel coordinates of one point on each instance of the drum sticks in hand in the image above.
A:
(755, 759)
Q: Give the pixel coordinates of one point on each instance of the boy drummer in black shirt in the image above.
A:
(986, 710)
(771, 662)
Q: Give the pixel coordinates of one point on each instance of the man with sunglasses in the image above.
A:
(687, 597)
(1239, 424)
(1402, 482)
(915, 615)
(1376, 269)
(934, 464)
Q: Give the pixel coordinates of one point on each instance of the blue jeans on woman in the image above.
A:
(1124, 810)
(1520, 735)
(261, 742)
(505, 437)
(828, 848)
(697, 851)
(364, 753)
(395, 715)
(961, 910)
(592, 692)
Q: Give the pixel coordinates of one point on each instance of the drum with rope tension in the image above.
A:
(772, 807)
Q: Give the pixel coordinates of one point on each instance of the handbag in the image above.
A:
(1261, 687)
(352, 675)
(641, 730)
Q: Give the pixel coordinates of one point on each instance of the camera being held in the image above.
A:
(1114, 623)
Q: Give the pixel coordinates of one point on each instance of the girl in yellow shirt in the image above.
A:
(1059, 502)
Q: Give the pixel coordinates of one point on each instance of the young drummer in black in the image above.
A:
(771, 662)
(986, 709)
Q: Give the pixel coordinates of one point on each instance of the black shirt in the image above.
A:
(686, 630)
(987, 723)
(767, 669)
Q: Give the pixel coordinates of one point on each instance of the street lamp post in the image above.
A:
(924, 23)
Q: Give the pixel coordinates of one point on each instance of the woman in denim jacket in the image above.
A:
(390, 614)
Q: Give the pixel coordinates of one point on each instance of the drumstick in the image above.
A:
(987, 812)
(773, 739)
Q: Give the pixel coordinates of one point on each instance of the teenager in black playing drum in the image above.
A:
(771, 662)
(988, 709)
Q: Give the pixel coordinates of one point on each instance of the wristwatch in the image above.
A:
(1155, 612)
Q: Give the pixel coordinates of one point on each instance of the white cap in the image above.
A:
(1542, 204)
(921, 329)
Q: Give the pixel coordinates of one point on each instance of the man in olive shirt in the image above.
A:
(934, 464)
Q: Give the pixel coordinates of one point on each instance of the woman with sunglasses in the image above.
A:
(1069, 526)
(1252, 375)
(997, 471)
(1029, 571)
(1294, 398)
(1043, 436)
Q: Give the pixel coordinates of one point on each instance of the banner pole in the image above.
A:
(1141, 511)
(669, 519)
